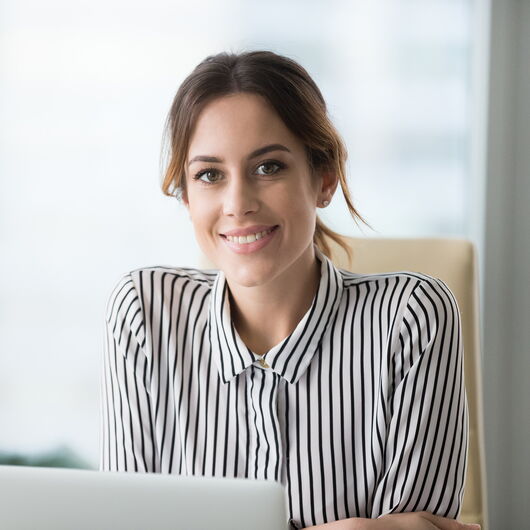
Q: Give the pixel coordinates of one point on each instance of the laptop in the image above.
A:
(38, 498)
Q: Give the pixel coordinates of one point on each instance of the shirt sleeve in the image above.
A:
(427, 438)
(127, 441)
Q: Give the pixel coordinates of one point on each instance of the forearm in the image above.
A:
(399, 521)
(353, 523)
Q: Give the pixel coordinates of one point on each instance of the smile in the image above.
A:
(250, 238)
(251, 242)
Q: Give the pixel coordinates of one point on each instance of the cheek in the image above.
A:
(300, 203)
(199, 216)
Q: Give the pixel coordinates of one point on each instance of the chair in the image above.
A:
(455, 262)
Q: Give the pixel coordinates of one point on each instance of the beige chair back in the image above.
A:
(455, 262)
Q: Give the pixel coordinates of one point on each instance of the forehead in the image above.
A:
(239, 123)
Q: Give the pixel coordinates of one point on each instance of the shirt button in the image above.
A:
(263, 363)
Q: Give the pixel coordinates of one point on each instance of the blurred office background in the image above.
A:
(431, 97)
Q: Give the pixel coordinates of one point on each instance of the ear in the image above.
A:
(328, 184)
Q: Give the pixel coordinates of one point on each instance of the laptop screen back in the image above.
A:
(64, 499)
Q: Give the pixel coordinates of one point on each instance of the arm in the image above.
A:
(127, 436)
(399, 521)
(426, 441)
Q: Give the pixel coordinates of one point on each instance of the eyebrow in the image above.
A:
(254, 154)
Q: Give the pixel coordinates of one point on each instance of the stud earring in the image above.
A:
(325, 203)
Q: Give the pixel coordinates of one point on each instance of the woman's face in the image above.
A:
(246, 171)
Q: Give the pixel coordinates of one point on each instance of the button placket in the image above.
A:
(265, 447)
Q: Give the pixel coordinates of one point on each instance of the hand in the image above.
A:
(420, 521)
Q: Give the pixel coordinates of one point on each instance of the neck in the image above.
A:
(263, 316)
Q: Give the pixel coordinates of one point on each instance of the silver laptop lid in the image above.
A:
(36, 498)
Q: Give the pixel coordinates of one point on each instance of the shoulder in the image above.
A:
(141, 286)
(354, 280)
(402, 289)
(162, 273)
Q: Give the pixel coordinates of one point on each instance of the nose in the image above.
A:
(240, 197)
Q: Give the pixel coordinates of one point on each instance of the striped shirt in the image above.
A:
(361, 411)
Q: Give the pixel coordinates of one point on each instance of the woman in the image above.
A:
(347, 388)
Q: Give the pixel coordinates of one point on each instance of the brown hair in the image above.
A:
(291, 92)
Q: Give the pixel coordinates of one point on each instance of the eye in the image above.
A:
(208, 173)
(276, 166)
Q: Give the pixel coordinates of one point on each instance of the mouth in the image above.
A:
(250, 238)
(251, 242)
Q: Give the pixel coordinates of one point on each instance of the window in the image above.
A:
(84, 94)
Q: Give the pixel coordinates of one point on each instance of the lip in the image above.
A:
(248, 248)
(248, 230)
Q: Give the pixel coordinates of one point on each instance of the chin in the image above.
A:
(248, 275)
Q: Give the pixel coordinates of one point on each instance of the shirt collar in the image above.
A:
(289, 358)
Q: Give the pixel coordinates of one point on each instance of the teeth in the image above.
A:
(248, 239)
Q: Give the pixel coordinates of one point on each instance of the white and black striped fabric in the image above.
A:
(360, 412)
